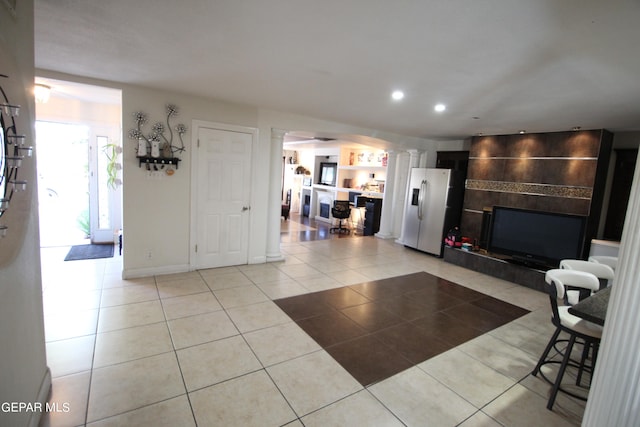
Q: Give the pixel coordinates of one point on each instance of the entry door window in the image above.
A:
(102, 188)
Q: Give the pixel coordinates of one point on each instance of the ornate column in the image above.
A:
(614, 397)
(275, 196)
(386, 218)
(414, 162)
(400, 192)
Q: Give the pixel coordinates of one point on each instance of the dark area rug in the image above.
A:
(79, 252)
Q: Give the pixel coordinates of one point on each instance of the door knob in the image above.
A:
(246, 208)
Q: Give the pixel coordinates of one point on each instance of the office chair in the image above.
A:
(580, 331)
(286, 206)
(340, 210)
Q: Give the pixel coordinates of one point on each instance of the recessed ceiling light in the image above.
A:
(440, 108)
(397, 95)
(522, 131)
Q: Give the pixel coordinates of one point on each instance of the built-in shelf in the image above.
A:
(158, 161)
(363, 167)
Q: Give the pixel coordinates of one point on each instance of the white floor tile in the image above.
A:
(279, 343)
(194, 330)
(419, 400)
(312, 381)
(120, 388)
(250, 400)
(217, 361)
(358, 409)
(168, 413)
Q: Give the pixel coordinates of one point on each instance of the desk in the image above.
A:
(593, 308)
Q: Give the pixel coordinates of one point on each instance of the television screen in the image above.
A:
(536, 237)
(328, 173)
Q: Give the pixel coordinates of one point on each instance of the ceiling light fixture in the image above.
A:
(440, 108)
(576, 128)
(522, 131)
(41, 92)
(397, 95)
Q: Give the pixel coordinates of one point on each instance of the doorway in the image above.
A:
(78, 133)
(63, 183)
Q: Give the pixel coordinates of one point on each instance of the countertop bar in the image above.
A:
(593, 308)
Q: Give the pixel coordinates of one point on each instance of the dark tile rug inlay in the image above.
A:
(377, 329)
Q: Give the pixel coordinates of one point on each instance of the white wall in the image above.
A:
(24, 376)
(157, 210)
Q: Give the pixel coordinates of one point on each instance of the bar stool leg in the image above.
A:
(546, 352)
(563, 367)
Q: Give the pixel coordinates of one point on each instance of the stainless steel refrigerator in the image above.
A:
(434, 205)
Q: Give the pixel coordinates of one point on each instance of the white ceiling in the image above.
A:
(499, 65)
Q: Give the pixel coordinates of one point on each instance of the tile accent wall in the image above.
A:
(561, 172)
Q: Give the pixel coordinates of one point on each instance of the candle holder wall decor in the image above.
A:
(156, 150)
(13, 152)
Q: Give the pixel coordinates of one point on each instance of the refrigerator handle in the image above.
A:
(423, 190)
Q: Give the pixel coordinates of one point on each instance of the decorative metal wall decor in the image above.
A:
(13, 151)
(155, 149)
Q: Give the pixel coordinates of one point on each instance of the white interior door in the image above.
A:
(223, 193)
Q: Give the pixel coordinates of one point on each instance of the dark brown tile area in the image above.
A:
(331, 328)
(368, 360)
(372, 316)
(379, 328)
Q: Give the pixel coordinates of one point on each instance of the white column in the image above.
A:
(386, 218)
(423, 159)
(275, 196)
(400, 193)
(614, 398)
(414, 162)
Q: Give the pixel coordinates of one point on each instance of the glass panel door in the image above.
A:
(101, 189)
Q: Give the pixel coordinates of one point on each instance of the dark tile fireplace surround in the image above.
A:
(561, 172)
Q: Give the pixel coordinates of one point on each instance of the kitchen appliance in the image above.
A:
(434, 205)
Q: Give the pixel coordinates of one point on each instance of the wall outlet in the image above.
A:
(149, 254)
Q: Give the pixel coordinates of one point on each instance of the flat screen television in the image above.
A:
(328, 173)
(536, 237)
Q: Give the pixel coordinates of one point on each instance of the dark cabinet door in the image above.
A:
(620, 189)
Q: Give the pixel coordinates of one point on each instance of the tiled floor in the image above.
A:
(213, 348)
(379, 328)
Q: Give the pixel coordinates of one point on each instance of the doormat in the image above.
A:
(79, 252)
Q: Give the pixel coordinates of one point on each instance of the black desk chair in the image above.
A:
(341, 210)
(286, 206)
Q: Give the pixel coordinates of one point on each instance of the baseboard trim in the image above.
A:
(43, 397)
(154, 271)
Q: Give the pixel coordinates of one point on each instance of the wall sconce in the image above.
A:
(12, 154)
(41, 92)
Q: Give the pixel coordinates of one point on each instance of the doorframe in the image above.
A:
(112, 133)
(196, 125)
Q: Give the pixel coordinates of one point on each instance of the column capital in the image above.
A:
(278, 133)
